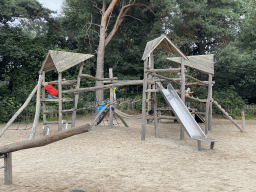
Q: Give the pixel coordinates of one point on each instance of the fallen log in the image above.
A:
(42, 141)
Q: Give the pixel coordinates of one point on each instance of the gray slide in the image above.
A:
(185, 117)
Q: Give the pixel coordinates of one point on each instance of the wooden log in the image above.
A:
(8, 168)
(42, 141)
(19, 111)
(38, 108)
(135, 82)
(60, 101)
(182, 89)
(171, 70)
(57, 100)
(226, 114)
(144, 95)
(210, 102)
(97, 79)
(166, 78)
(201, 82)
(154, 99)
(111, 101)
(76, 95)
(122, 119)
(43, 97)
(243, 120)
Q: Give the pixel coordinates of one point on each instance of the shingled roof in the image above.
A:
(163, 43)
(62, 60)
(203, 63)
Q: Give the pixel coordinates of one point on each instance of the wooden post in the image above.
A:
(111, 101)
(243, 120)
(8, 168)
(60, 102)
(43, 97)
(151, 61)
(182, 89)
(77, 95)
(38, 108)
(210, 102)
(143, 131)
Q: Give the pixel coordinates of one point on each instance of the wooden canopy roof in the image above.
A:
(62, 60)
(203, 63)
(163, 43)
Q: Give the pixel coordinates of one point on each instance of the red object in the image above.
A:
(51, 90)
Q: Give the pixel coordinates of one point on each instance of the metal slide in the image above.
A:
(184, 116)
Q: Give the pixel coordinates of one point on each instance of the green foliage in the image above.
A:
(229, 98)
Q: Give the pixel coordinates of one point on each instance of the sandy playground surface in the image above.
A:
(117, 160)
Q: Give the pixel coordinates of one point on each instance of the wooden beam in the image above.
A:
(182, 90)
(111, 100)
(135, 82)
(166, 78)
(38, 109)
(60, 101)
(227, 115)
(42, 141)
(8, 168)
(171, 70)
(97, 79)
(77, 95)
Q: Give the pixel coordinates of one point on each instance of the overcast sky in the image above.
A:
(54, 5)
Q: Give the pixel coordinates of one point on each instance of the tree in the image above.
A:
(97, 22)
(205, 25)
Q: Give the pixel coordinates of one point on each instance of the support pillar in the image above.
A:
(111, 99)
(8, 168)
(182, 89)
(77, 95)
(60, 102)
(144, 95)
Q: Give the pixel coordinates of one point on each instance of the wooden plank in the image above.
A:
(8, 168)
(42, 141)
(153, 90)
(38, 108)
(60, 101)
(171, 70)
(76, 95)
(19, 111)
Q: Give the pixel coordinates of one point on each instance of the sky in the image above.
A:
(54, 5)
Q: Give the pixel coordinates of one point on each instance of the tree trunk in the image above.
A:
(104, 40)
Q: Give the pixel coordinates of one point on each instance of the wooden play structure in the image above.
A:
(152, 78)
(152, 84)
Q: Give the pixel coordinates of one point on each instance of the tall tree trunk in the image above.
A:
(104, 40)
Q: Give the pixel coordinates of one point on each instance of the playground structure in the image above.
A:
(152, 83)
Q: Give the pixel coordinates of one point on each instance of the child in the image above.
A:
(53, 92)
(187, 93)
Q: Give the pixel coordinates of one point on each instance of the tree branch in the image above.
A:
(124, 10)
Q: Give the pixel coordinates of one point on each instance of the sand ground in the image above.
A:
(117, 160)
